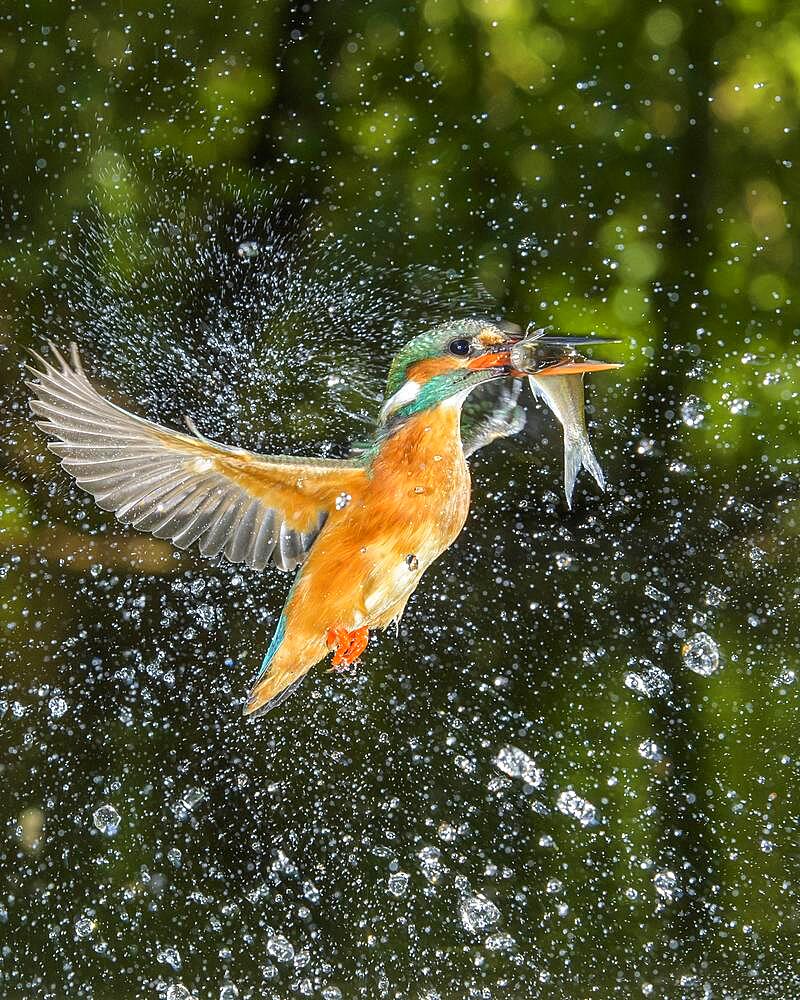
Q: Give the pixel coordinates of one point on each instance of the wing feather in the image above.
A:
(189, 489)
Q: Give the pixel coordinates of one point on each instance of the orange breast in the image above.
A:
(369, 557)
(420, 477)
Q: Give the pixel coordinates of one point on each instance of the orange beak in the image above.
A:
(575, 367)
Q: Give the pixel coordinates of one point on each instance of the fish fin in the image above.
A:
(572, 466)
(592, 466)
(578, 454)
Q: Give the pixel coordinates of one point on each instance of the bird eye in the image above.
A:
(460, 347)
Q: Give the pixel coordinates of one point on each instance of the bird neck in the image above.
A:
(430, 437)
(412, 401)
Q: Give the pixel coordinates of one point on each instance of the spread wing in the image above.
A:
(490, 412)
(188, 489)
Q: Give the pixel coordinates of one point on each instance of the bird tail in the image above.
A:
(272, 691)
(280, 676)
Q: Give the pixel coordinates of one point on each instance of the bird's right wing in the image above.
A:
(188, 489)
(492, 411)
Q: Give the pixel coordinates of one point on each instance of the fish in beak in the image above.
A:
(495, 345)
(555, 372)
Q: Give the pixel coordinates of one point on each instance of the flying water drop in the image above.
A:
(478, 914)
(701, 654)
(107, 819)
(571, 804)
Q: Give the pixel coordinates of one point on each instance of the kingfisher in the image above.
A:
(363, 529)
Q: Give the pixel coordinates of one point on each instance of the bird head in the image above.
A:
(446, 363)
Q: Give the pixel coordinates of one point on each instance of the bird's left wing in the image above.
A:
(188, 489)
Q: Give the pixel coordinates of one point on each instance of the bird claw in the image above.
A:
(347, 646)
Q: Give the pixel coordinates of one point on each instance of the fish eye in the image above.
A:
(460, 347)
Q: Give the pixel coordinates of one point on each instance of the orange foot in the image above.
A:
(347, 646)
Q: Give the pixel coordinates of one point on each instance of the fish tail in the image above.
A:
(578, 454)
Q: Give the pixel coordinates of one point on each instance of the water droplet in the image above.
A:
(478, 914)
(280, 948)
(645, 447)
(666, 886)
(228, 992)
(635, 682)
(447, 832)
(572, 804)
(311, 892)
(431, 864)
(517, 764)
(170, 956)
(693, 411)
(57, 706)
(679, 468)
(650, 751)
(398, 883)
(499, 942)
(178, 992)
(655, 594)
(107, 820)
(84, 927)
(650, 681)
(412, 562)
(342, 500)
(701, 654)
(785, 678)
(192, 797)
(248, 250)
(739, 406)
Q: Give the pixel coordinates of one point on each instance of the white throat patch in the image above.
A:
(457, 401)
(407, 393)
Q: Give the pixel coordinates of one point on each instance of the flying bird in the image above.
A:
(363, 529)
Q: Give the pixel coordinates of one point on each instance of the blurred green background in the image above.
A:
(608, 166)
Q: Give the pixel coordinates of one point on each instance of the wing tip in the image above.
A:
(54, 350)
(72, 367)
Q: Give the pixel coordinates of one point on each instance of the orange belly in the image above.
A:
(370, 556)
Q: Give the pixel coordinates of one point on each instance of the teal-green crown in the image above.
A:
(429, 344)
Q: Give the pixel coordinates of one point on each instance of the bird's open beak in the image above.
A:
(575, 366)
(557, 354)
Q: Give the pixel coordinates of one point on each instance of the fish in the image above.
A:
(555, 373)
